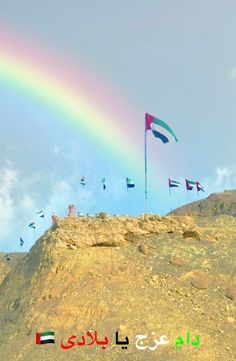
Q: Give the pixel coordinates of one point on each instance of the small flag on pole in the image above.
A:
(129, 183)
(200, 187)
(159, 129)
(21, 242)
(32, 225)
(40, 214)
(82, 181)
(45, 337)
(189, 184)
(104, 185)
(173, 183)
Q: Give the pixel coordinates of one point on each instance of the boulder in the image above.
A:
(191, 234)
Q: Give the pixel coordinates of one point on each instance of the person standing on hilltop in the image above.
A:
(54, 218)
(71, 210)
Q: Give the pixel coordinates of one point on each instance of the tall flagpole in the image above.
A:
(145, 165)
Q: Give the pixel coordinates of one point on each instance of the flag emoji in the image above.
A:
(21, 242)
(159, 129)
(32, 225)
(45, 337)
(129, 183)
(82, 181)
(104, 185)
(200, 187)
(173, 183)
(189, 184)
(40, 214)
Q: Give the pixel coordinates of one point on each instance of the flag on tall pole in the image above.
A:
(160, 130)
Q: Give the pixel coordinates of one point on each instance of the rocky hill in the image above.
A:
(135, 275)
(214, 205)
(8, 261)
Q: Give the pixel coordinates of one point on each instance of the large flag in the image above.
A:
(82, 181)
(104, 184)
(32, 225)
(45, 337)
(40, 214)
(173, 183)
(159, 129)
(200, 187)
(130, 183)
(190, 184)
(21, 242)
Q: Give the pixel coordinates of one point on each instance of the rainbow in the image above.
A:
(75, 97)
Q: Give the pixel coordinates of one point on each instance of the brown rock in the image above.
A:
(200, 282)
(178, 262)
(142, 249)
(123, 268)
(191, 234)
(102, 215)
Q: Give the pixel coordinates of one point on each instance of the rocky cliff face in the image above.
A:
(215, 205)
(4, 268)
(132, 274)
(9, 261)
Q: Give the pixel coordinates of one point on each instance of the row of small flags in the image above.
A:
(129, 183)
(39, 214)
(32, 225)
(172, 183)
(189, 184)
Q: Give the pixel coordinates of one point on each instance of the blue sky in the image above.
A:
(175, 59)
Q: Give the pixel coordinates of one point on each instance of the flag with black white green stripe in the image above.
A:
(129, 183)
(190, 184)
(45, 337)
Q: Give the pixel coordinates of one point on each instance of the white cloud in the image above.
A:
(233, 72)
(27, 202)
(8, 178)
(224, 179)
(22, 194)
